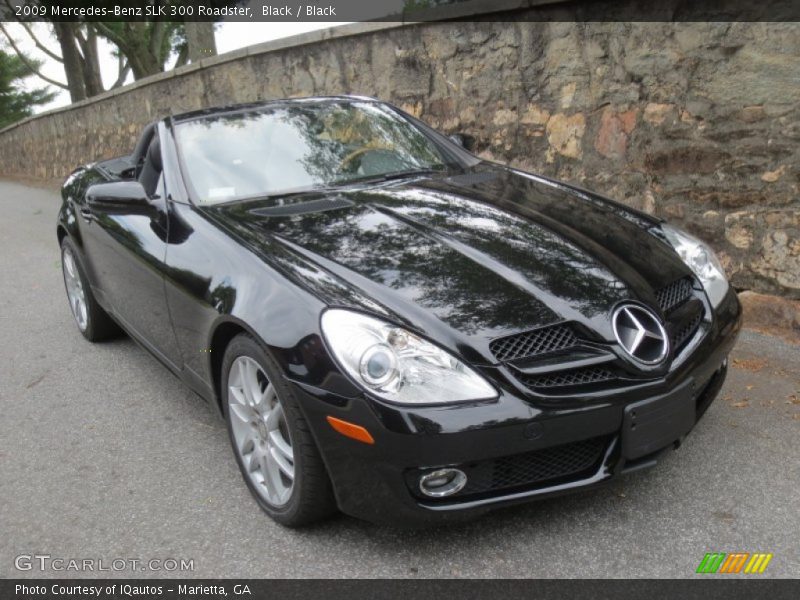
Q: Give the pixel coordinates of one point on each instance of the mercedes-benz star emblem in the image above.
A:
(640, 333)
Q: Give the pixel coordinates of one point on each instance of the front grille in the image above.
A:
(674, 294)
(682, 335)
(571, 377)
(674, 300)
(534, 468)
(533, 343)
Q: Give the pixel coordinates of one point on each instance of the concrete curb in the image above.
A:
(773, 315)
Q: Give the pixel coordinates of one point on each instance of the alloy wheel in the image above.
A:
(260, 431)
(75, 292)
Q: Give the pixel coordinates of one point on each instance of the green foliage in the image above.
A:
(16, 103)
(146, 45)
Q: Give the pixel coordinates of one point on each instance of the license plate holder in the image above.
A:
(652, 424)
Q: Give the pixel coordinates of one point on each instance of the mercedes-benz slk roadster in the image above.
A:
(391, 326)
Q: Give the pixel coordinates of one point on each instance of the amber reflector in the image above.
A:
(351, 430)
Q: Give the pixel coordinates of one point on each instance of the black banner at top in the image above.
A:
(399, 10)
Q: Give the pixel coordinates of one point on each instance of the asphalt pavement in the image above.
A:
(104, 455)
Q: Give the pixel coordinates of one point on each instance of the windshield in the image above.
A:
(300, 147)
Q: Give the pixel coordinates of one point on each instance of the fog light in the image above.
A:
(442, 482)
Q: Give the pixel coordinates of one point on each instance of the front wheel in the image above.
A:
(273, 446)
(92, 321)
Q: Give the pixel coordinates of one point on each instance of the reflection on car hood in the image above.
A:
(464, 258)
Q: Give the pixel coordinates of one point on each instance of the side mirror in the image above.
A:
(467, 142)
(119, 198)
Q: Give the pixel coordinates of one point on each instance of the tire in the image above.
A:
(93, 322)
(263, 415)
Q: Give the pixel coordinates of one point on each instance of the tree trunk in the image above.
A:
(73, 68)
(142, 64)
(144, 48)
(91, 64)
(200, 40)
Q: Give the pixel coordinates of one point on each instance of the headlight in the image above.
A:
(700, 259)
(397, 365)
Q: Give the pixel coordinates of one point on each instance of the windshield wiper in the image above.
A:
(409, 173)
(391, 176)
(336, 186)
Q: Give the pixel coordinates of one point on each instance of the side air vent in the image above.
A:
(533, 343)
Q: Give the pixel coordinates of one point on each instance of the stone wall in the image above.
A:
(695, 122)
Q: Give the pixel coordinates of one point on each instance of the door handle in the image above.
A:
(87, 213)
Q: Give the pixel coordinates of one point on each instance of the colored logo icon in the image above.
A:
(734, 562)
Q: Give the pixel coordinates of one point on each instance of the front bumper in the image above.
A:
(594, 438)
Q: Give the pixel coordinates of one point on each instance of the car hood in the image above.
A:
(464, 258)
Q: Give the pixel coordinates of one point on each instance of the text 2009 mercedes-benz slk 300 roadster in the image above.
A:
(390, 325)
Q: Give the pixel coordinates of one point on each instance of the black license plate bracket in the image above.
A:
(652, 424)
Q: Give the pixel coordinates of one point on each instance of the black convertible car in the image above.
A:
(390, 325)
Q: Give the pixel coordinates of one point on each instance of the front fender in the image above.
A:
(67, 220)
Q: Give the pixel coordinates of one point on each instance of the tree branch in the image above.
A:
(157, 39)
(35, 39)
(30, 65)
(81, 43)
(183, 57)
(106, 32)
(124, 69)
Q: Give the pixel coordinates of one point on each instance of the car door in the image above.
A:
(127, 252)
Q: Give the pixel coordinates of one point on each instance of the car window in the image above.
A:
(302, 146)
(160, 191)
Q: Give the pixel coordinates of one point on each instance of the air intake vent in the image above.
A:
(684, 334)
(533, 343)
(572, 377)
(674, 294)
(537, 468)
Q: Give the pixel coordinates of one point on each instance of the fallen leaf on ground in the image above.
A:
(742, 404)
(793, 399)
(754, 365)
(726, 516)
(36, 381)
(748, 387)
